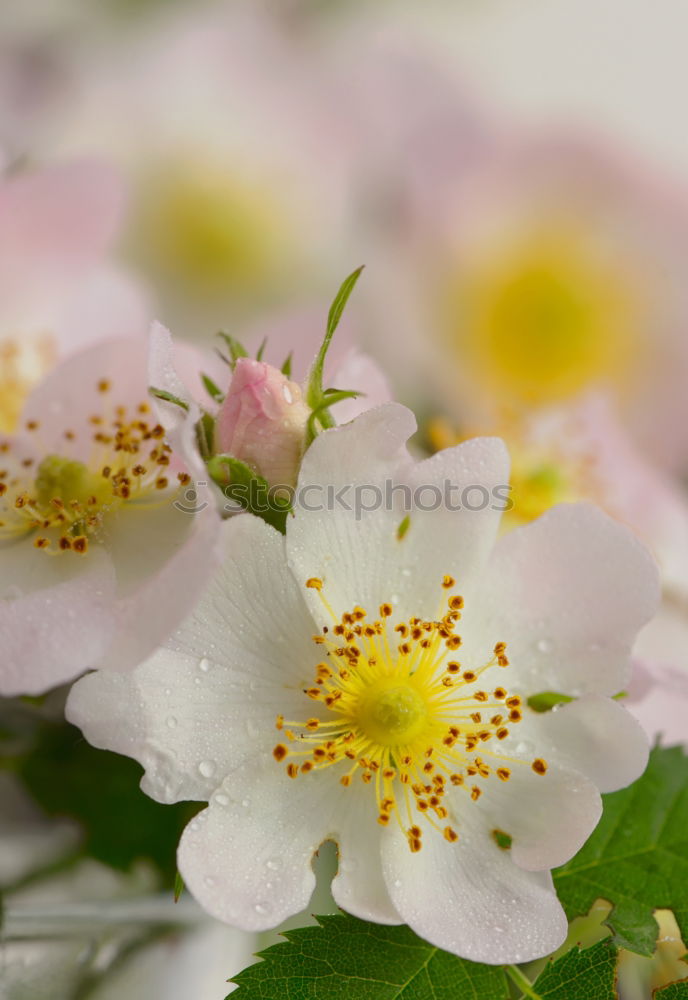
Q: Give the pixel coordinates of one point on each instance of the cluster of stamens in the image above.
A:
(399, 708)
(62, 501)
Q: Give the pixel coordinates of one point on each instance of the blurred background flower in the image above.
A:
(514, 177)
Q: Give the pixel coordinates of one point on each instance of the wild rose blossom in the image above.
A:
(367, 680)
(102, 552)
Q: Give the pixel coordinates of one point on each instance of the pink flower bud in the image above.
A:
(263, 422)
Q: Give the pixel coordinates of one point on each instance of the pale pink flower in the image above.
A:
(105, 539)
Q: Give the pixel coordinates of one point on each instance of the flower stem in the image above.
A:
(73, 919)
(525, 985)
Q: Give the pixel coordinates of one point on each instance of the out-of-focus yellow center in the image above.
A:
(535, 487)
(542, 319)
(209, 230)
(23, 362)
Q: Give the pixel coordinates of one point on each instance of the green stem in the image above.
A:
(525, 985)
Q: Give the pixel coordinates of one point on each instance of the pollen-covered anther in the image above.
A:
(404, 717)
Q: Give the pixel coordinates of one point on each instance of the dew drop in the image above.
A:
(207, 768)
(274, 864)
(222, 799)
(262, 908)
(525, 746)
(544, 645)
(246, 803)
(287, 393)
(406, 571)
(204, 664)
(209, 881)
(171, 721)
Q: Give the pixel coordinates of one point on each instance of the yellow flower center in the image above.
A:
(213, 232)
(23, 362)
(62, 501)
(395, 707)
(546, 317)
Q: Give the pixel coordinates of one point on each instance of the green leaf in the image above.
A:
(348, 958)
(314, 391)
(100, 790)
(167, 397)
(286, 367)
(588, 974)
(546, 700)
(212, 389)
(246, 488)
(637, 858)
(675, 991)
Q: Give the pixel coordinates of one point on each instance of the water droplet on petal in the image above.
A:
(207, 768)
(263, 908)
(544, 645)
(204, 664)
(274, 864)
(171, 721)
(222, 799)
(209, 881)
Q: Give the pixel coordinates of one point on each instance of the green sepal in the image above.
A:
(215, 393)
(168, 397)
(286, 367)
(545, 701)
(245, 487)
(315, 395)
(178, 886)
(236, 349)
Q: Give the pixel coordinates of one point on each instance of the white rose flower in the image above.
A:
(367, 680)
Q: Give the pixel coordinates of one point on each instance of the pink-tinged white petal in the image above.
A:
(54, 624)
(470, 898)
(109, 303)
(159, 542)
(56, 225)
(658, 698)
(568, 594)
(359, 372)
(358, 553)
(595, 736)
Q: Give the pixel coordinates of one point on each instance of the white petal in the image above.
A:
(60, 626)
(358, 553)
(359, 887)
(568, 594)
(200, 707)
(247, 858)
(593, 735)
(164, 557)
(548, 816)
(470, 898)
